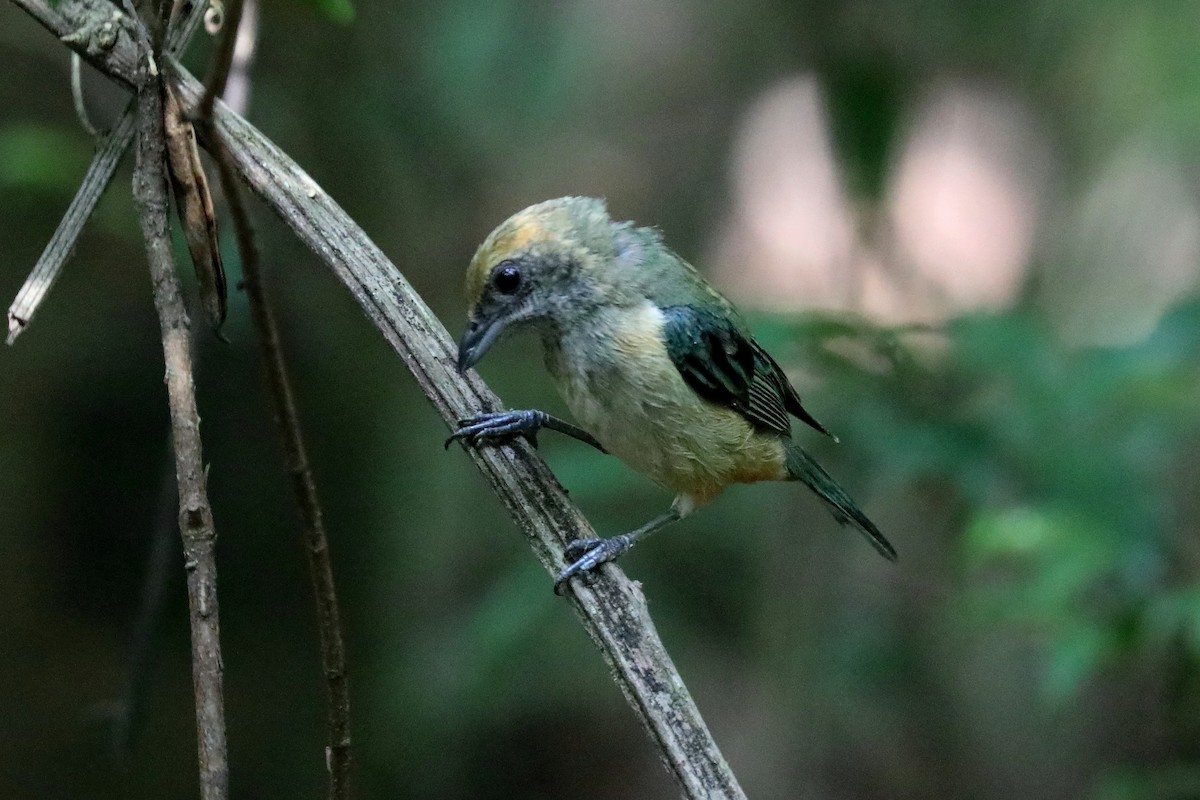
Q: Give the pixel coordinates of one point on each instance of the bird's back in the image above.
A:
(642, 258)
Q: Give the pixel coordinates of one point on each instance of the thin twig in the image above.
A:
(195, 515)
(99, 174)
(81, 111)
(612, 608)
(304, 490)
(237, 88)
(218, 68)
(180, 32)
(287, 419)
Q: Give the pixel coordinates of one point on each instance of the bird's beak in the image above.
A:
(476, 339)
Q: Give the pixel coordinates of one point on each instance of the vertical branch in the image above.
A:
(218, 70)
(195, 515)
(304, 489)
(287, 421)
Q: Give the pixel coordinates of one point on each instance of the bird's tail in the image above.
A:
(802, 467)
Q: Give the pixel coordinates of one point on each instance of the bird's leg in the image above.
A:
(591, 553)
(497, 427)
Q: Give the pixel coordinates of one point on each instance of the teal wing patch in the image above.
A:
(724, 365)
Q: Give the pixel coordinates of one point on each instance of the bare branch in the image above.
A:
(612, 608)
(237, 89)
(218, 70)
(96, 30)
(62, 243)
(304, 488)
(104, 165)
(182, 30)
(195, 515)
(81, 111)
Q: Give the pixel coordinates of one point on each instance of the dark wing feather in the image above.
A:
(725, 365)
(791, 398)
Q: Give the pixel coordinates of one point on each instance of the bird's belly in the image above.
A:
(648, 417)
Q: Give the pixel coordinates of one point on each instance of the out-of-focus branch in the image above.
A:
(287, 420)
(195, 515)
(304, 491)
(237, 87)
(81, 112)
(218, 69)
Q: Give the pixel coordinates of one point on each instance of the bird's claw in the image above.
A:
(495, 427)
(587, 554)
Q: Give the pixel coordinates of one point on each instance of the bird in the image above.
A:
(655, 364)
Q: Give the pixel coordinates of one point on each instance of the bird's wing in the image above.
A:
(791, 398)
(723, 364)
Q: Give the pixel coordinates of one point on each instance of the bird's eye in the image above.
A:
(507, 279)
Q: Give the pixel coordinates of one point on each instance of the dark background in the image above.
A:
(970, 233)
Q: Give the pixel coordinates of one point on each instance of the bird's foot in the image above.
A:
(587, 554)
(498, 427)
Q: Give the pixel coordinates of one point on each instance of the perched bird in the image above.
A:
(656, 365)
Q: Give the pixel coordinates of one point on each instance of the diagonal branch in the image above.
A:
(612, 608)
(105, 36)
(104, 164)
(96, 30)
(62, 243)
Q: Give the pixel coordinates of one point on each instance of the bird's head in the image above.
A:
(546, 265)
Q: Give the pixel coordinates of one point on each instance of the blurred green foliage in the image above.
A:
(337, 10)
(1039, 637)
(1064, 466)
(41, 158)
